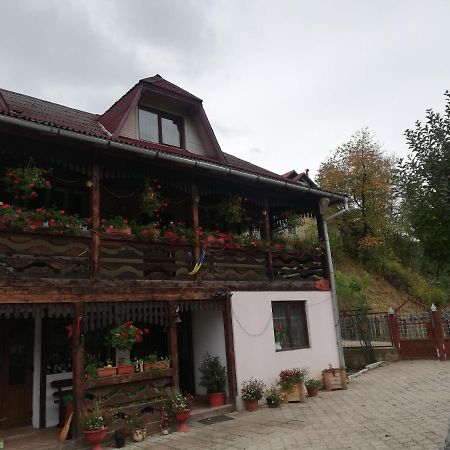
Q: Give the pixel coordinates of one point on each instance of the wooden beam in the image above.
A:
(173, 344)
(229, 350)
(77, 368)
(268, 237)
(95, 217)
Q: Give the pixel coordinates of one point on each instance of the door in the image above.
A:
(185, 353)
(16, 372)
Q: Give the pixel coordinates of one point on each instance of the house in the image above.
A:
(103, 219)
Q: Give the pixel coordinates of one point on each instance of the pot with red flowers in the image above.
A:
(123, 338)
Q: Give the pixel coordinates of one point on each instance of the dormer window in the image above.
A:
(157, 126)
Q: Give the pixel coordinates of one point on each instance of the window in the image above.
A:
(155, 126)
(289, 325)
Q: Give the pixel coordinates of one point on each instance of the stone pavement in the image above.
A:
(401, 405)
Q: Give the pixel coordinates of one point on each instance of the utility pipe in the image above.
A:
(210, 166)
(334, 303)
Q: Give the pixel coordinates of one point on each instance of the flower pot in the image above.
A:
(125, 369)
(271, 403)
(313, 392)
(95, 437)
(106, 372)
(124, 231)
(334, 379)
(158, 365)
(139, 434)
(216, 399)
(182, 417)
(251, 405)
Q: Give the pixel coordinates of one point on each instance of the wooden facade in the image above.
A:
(94, 279)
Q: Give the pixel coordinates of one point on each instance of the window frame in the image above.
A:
(304, 316)
(164, 115)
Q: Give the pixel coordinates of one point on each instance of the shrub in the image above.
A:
(213, 374)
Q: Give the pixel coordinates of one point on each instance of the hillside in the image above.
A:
(381, 295)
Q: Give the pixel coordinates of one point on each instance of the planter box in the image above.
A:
(334, 379)
(125, 231)
(125, 369)
(106, 372)
(297, 394)
(158, 365)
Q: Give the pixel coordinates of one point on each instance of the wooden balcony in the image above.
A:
(40, 255)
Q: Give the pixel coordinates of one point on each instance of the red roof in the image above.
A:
(59, 116)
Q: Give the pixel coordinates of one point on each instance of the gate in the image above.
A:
(418, 331)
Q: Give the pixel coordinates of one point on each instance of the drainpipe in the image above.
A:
(337, 325)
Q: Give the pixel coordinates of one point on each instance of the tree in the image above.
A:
(360, 168)
(423, 179)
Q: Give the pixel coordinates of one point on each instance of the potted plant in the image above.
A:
(152, 202)
(312, 386)
(280, 336)
(90, 371)
(231, 211)
(94, 426)
(119, 437)
(252, 390)
(123, 338)
(273, 396)
(116, 225)
(334, 378)
(23, 182)
(291, 382)
(213, 379)
(178, 406)
(108, 370)
(138, 427)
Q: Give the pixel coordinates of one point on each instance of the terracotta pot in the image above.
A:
(95, 437)
(216, 399)
(251, 405)
(106, 372)
(125, 369)
(313, 392)
(182, 417)
(123, 231)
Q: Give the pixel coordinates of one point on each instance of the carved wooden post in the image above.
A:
(229, 349)
(438, 333)
(267, 236)
(77, 368)
(95, 217)
(395, 332)
(322, 237)
(173, 343)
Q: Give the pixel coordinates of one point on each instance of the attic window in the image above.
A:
(156, 126)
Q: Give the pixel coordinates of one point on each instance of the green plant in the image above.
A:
(312, 383)
(153, 357)
(280, 333)
(289, 378)
(213, 374)
(136, 421)
(22, 182)
(174, 401)
(117, 222)
(90, 370)
(252, 389)
(152, 202)
(231, 211)
(149, 231)
(93, 419)
(273, 394)
(12, 216)
(125, 336)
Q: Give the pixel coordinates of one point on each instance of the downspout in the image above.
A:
(334, 303)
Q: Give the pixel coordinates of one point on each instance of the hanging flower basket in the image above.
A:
(23, 182)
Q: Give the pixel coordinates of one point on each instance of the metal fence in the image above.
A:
(375, 327)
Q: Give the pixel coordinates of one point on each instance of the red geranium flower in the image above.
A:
(128, 324)
(146, 330)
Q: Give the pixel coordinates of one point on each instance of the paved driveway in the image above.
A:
(402, 405)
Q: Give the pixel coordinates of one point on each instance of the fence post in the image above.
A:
(395, 332)
(438, 332)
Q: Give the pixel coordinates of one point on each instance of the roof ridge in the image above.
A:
(48, 101)
(156, 79)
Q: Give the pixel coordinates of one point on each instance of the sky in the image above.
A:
(283, 82)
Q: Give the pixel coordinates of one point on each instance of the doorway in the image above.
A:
(16, 372)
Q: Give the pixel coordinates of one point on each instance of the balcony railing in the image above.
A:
(29, 254)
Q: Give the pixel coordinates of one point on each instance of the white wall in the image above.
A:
(254, 343)
(37, 370)
(207, 336)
